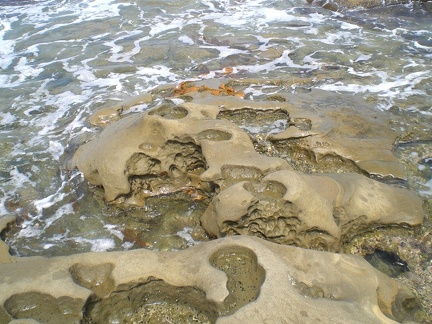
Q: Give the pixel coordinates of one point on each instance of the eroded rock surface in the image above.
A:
(223, 281)
(318, 211)
(194, 144)
(326, 128)
(206, 144)
(170, 148)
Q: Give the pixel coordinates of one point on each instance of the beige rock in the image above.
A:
(231, 280)
(107, 115)
(169, 148)
(319, 211)
(180, 146)
(327, 126)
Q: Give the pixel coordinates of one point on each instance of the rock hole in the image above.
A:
(169, 112)
(257, 122)
(276, 97)
(303, 124)
(387, 262)
(152, 302)
(245, 276)
(268, 189)
(310, 291)
(237, 173)
(45, 308)
(214, 135)
(141, 164)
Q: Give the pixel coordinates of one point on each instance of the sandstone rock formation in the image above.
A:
(325, 127)
(313, 211)
(172, 147)
(231, 280)
(243, 278)
(169, 148)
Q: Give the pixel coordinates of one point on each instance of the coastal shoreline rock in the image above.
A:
(274, 282)
(202, 139)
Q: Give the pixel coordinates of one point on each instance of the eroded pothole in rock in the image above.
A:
(303, 159)
(94, 277)
(256, 122)
(156, 301)
(152, 302)
(44, 308)
(170, 112)
(179, 168)
(245, 276)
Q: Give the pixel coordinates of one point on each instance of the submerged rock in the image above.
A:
(248, 275)
(336, 5)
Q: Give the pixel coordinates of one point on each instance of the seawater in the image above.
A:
(62, 60)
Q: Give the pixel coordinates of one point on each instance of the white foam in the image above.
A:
(7, 45)
(348, 26)
(428, 192)
(21, 178)
(271, 14)
(186, 234)
(161, 25)
(186, 39)
(158, 73)
(281, 62)
(363, 57)
(50, 200)
(7, 118)
(400, 87)
(114, 231)
(59, 213)
(225, 51)
(97, 245)
(56, 149)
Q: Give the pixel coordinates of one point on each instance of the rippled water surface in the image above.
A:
(62, 60)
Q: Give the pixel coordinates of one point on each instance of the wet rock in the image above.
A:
(107, 115)
(198, 147)
(326, 129)
(387, 262)
(313, 211)
(97, 278)
(248, 276)
(337, 5)
(153, 302)
(4, 248)
(44, 307)
(169, 148)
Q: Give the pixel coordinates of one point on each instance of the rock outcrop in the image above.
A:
(202, 144)
(319, 211)
(194, 144)
(169, 148)
(223, 281)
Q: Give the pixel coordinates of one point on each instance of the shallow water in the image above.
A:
(62, 60)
